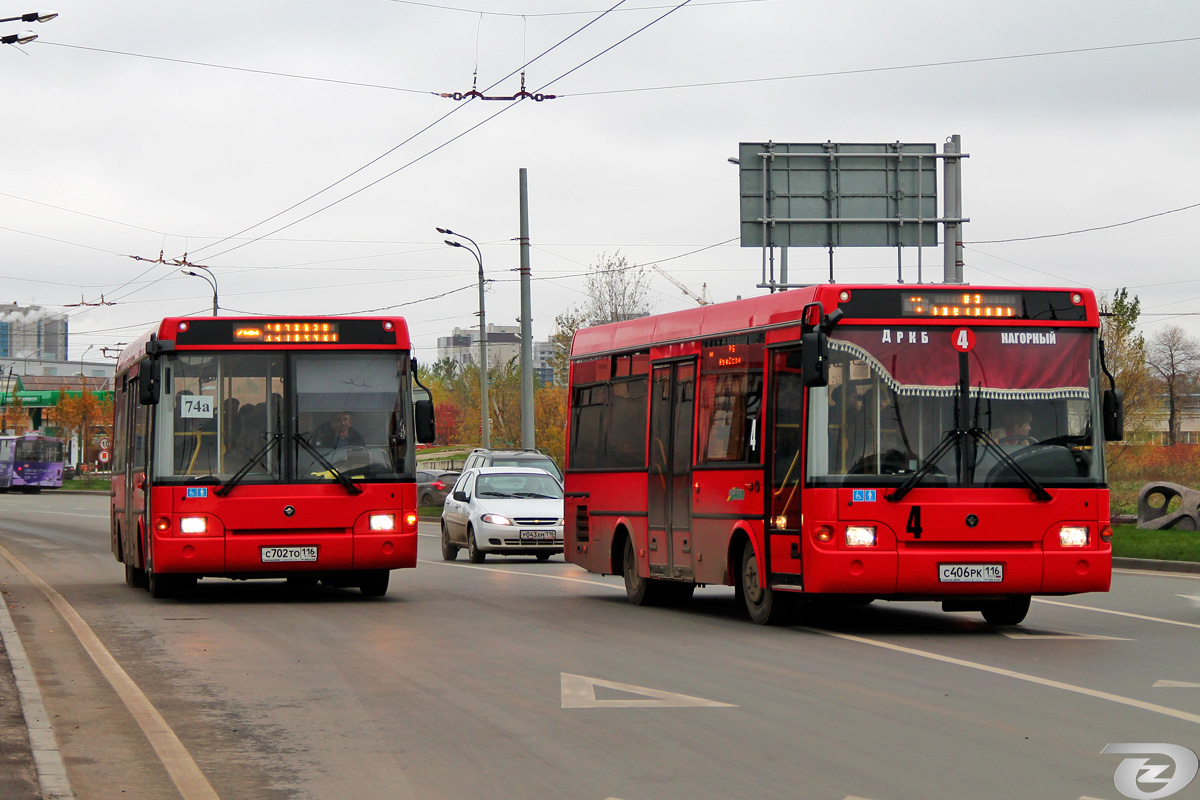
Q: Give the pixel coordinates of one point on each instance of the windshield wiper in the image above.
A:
(990, 444)
(949, 440)
(227, 487)
(350, 485)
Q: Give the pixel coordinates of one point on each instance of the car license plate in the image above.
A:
(278, 554)
(537, 536)
(970, 573)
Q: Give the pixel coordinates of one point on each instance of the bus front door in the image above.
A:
(672, 401)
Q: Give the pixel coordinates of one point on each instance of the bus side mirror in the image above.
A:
(1114, 415)
(814, 362)
(426, 429)
(148, 385)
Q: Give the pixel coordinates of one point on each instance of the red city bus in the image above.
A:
(255, 447)
(847, 442)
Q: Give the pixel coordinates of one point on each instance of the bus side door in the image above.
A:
(672, 402)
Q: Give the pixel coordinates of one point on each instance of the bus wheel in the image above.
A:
(449, 551)
(765, 605)
(1010, 611)
(641, 591)
(376, 583)
(134, 576)
(160, 586)
(476, 555)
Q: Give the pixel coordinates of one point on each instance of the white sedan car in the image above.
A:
(503, 510)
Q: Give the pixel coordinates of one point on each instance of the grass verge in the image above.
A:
(1131, 542)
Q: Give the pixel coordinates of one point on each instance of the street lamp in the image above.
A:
(25, 37)
(207, 276)
(485, 433)
(90, 347)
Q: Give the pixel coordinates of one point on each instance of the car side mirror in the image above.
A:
(1114, 415)
(425, 424)
(814, 360)
(461, 496)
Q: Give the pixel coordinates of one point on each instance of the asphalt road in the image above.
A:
(518, 679)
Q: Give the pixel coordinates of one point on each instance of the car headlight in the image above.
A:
(496, 519)
(382, 522)
(193, 524)
(860, 535)
(1073, 536)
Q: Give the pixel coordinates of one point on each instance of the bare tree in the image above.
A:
(1175, 358)
(616, 291)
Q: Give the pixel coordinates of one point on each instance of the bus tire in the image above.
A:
(160, 586)
(449, 549)
(640, 591)
(134, 576)
(476, 555)
(764, 605)
(375, 584)
(1009, 611)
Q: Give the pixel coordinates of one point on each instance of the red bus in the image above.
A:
(847, 442)
(255, 447)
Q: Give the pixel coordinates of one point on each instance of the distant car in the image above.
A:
(433, 486)
(503, 510)
(513, 458)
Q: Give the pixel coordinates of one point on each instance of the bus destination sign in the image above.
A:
(290, 332)
(986, 305)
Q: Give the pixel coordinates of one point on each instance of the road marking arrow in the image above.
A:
(1031, 634)
(579, 691)
(1175, 685)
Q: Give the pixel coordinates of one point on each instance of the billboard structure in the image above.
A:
(850, 195)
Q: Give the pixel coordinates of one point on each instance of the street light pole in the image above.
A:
(207, 276)
(485, 433)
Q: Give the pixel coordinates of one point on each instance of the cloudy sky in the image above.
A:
(301, 149)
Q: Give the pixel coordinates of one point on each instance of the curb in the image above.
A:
(1156, 565)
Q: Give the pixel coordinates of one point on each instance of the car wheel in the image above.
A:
(426, 501)
(1010, 611)
(765, 605)
(375, 584)
(476, 555)
(449, 551)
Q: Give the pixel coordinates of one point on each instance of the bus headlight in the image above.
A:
(193, 524)
(1073, 536)
(860, 535)
(382, 522)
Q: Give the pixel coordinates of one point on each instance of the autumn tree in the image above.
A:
(81, 412)
(1126, 358)
(1175, 358)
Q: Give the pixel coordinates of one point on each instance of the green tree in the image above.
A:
(1126, 357)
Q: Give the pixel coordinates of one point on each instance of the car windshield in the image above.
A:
(518, 485)
(227, 414)
(540, 462)
(969, 408)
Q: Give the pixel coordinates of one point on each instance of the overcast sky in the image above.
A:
(301, 151)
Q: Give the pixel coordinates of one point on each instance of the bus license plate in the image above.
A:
(970, 573)
(278, 554)
(537, 536)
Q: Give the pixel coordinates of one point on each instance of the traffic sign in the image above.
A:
(103, 456)
(104, 443)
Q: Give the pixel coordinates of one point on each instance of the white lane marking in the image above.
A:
(579, 691)
(1020, 676)
(1117, 613)
(65, 514)
(1027, 635)
(188, 778)
(47, 760)
(1175, 685)
(1195, 598)
(526, 574)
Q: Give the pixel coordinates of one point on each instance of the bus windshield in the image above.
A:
(270, 417)
(974, 407)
